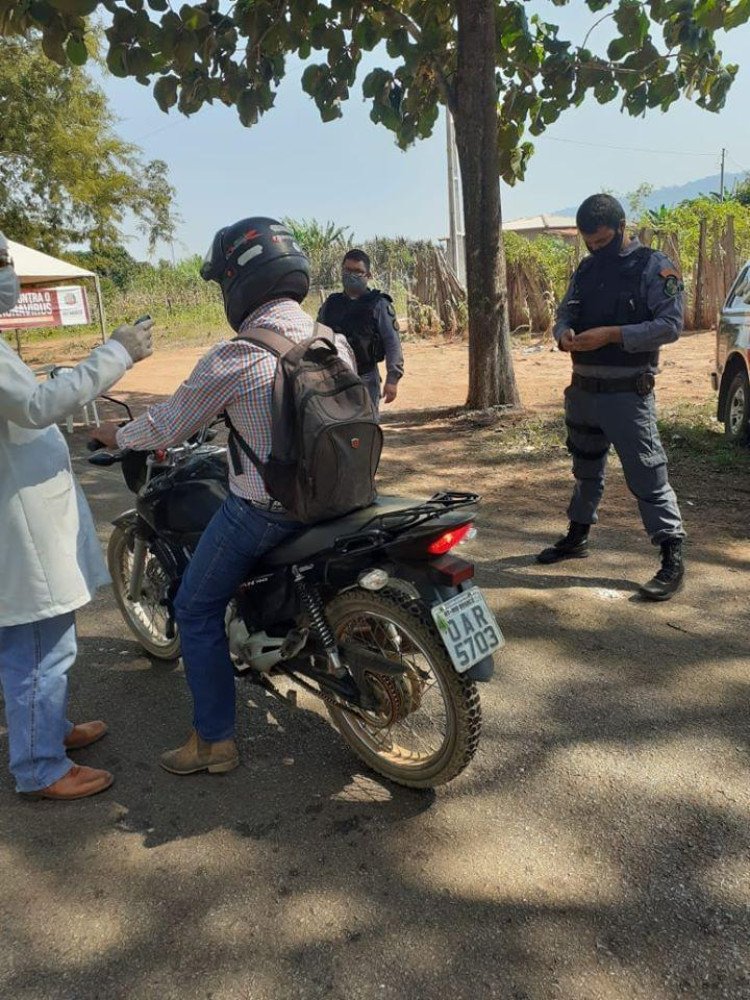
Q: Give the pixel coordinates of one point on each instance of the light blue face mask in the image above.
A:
(10, 288)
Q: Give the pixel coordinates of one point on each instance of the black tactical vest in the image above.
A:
(355, 319)
(607, 292)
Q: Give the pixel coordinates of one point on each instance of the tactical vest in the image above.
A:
(355, 319)
(607, 291)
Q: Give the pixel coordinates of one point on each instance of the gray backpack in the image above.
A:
(325, 436)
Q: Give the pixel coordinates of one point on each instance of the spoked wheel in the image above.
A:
(426, 727)
(146, 618)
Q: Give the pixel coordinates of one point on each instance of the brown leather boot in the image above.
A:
(78, 783)
(84, 734)
(198, 755)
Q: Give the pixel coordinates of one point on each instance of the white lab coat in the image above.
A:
(50, 557)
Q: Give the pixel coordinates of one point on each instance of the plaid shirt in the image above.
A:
(233, 376)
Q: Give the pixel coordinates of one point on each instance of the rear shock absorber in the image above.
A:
(319, 622)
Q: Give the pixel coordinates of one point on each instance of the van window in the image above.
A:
(740, 294)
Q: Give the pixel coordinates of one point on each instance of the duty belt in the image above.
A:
(643, 383)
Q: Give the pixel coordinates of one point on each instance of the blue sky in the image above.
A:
(350, 171)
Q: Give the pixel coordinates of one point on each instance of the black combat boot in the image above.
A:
(574, 545)
(669, 578)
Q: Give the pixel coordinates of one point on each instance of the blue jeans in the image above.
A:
(236, 537)
(34, 663)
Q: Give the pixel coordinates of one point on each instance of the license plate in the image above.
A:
(468, 629)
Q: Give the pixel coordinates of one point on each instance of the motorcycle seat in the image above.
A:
(319, 537)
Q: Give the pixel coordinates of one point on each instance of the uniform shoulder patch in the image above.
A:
(669, 272)
(672, 285)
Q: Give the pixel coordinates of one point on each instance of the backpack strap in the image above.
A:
(278, 345)
(235, 439)
(269, 340)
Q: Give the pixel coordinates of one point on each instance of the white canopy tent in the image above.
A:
(36, 268)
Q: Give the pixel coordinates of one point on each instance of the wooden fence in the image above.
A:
(708, 280)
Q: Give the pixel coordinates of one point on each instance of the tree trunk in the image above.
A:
(475, 115)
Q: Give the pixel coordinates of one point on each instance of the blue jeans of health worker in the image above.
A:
(34, 663)
(237, 536)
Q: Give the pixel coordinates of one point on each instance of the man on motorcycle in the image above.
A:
(264, 276)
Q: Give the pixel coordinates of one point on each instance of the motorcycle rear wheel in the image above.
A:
(147, 618)
(403, 741)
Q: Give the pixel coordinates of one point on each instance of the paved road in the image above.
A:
(598, 848)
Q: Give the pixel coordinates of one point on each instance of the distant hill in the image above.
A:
(673, 195)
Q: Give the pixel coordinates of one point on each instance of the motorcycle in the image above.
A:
(373, 613)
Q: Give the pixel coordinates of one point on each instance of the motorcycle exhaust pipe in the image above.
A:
(135, 585)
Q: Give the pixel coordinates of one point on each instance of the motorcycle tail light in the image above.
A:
(449, 539)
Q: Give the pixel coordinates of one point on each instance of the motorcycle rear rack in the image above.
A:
(382, 527)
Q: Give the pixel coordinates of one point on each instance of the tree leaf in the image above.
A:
(75, 49)
(738, 14)
(193, 18)
(117, 60)
(618, 48)
(165, 92)
(78, 8)
(247, 107)
(52, 43)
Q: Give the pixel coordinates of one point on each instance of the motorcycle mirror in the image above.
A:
(118, 402)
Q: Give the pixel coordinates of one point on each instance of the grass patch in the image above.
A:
(693, 436)
(532, 437)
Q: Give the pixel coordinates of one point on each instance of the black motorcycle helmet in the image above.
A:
(254, 261)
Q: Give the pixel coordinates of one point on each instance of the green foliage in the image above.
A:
(66, 177)
(659, 219)
(741, 192)
(392, 259)
(637, 199)
(112, 263)
(237, 54)
(325, 244)
(684, 220)
(551, 257)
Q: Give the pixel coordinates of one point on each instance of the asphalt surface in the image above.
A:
(598, 848)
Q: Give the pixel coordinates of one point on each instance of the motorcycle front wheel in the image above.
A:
(147, 617)
(426, 728)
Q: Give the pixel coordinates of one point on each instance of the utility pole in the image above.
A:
(456, 238)
(721, 185)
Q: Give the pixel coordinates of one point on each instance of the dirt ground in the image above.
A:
(438, 370)
(598, 848)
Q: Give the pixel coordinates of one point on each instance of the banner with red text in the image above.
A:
(64, 306)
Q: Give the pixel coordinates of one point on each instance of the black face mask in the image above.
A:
(612, 249)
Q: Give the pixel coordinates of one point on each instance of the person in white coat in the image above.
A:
(50, 559)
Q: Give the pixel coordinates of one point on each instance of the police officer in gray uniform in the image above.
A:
(366, 317)
(623, 303)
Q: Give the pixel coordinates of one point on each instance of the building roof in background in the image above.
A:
(33, 266)
(540, 222)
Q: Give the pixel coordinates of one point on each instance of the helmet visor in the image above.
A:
(211, 266)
